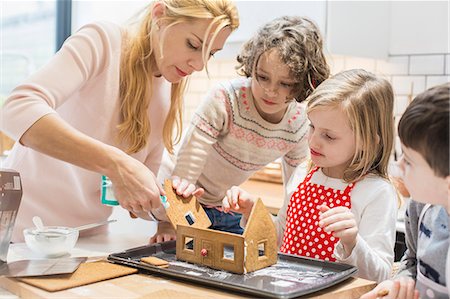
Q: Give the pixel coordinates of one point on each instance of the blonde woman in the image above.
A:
(107, 104)
(345, 209)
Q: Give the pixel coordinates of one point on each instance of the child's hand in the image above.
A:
(164, 233)
(184, 188)
(341, 222)
(398, 289)
(238, 200)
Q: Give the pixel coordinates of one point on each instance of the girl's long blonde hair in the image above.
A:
(368, 102)
(138, 63)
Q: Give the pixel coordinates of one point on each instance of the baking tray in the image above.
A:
(291, 277)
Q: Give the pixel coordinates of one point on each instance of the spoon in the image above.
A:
(38, 223)
(92, 225)
(41, 228)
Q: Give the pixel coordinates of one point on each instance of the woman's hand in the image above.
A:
(184, 188)
(403, 288)
(135, 186)
(165, 233)
(238, 200)
(341, 222)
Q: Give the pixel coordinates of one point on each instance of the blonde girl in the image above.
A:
(107, 104)
(345, 208)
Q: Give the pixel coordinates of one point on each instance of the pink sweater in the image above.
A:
(81, 84)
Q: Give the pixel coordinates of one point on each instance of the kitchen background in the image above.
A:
(407, 42)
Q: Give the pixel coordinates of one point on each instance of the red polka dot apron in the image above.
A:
(303, 236)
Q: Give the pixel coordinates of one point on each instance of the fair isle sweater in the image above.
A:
(228, 141)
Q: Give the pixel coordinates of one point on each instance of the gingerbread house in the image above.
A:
(256, 248)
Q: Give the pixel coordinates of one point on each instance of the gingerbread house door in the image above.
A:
(207, 253)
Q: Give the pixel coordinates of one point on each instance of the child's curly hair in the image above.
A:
(300, 46)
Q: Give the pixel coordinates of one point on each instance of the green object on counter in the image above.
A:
(109, 199)
(108, 193)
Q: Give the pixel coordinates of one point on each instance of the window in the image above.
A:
(29, 37)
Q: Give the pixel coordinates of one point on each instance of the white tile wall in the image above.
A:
(436, 80)
(337, 63)
(406, 85)
(447, 64)
(427, 65)
(360, 63)
(409, 75)
(397, 65)
(400, 104)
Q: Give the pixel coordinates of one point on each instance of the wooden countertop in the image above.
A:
(139, 286)
(272, 194)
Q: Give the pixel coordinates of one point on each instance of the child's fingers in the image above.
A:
(182, 186)
(198, 192)
(235, 192)
(226, 204)
(410, 289)
(333, 216)
(394, 291)
(340, 226)
(175, 181)
(323, 208)
(189, 190)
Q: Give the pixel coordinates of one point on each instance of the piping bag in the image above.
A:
(108, 198)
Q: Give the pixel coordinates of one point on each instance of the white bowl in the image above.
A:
(52, 241)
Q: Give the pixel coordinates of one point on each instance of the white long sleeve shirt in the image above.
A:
(374, 204)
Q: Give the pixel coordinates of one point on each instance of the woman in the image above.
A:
(102, 105)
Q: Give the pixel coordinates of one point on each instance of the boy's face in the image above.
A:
(421, 181)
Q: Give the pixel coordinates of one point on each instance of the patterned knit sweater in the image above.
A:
(228, 141)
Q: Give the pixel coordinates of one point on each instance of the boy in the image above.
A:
(424, 133)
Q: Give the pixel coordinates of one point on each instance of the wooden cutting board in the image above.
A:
(140, 286)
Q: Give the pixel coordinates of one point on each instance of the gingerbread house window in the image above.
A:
(262, 249)
(188, 242)
(228, 252)
(190, 218)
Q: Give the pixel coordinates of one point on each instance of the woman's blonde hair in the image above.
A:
(368, 102)
(300, 46)
(138, 63)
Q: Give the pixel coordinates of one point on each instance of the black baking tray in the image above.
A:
(291, 277)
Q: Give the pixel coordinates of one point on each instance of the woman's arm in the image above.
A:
(29, 115)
